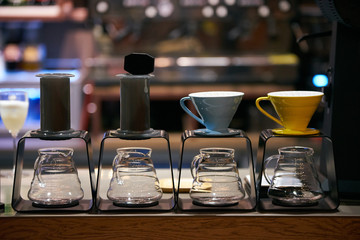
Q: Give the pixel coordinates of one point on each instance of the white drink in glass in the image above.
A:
(13, 114)
(13, 111)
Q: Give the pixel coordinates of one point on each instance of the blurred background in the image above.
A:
(198, 45)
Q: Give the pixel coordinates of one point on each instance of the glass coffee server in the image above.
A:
(216, 165)
(54, 170)
(135, 167)
(296, 172)
(295, 164)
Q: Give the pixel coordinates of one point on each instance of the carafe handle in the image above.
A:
(266, 163)
(38, 167)
(195, 164)
(187, 110)
(257, 103)
(119, 158)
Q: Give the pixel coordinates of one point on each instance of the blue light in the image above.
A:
(33, 93)
(320, 80)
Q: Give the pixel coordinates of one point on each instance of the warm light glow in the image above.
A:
(91, 108)
(221, 11)
(165, 8)
(213, 2)
(264, 11)
(88, 89)
(230, 2)
(30, 11)
(150, 12)
(164, 62)
(102, 7)
(284, 5)
(204, 61)
(208, 11)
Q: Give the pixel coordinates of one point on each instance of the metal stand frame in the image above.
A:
(22, 205)
(104, 204)
(248, 203)
(325, 167)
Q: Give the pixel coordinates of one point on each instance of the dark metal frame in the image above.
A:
(327, 163)
(106, 204)
(21, 205)
(247, 204)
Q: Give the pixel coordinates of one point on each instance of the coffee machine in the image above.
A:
(342, 102)
(199, 40)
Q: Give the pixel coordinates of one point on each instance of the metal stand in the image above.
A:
(114, 139)
(243, 155)
(323, 161)
(25, 158)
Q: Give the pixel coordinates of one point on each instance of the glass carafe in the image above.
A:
(216, 178)
(295, 181)
(134, 181)
(55, 181)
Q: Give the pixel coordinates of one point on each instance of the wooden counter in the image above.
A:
(344, 224)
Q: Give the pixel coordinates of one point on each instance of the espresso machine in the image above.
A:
(233, 41)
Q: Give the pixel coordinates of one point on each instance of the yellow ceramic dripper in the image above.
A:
(295, 110)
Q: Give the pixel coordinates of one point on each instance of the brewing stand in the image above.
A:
(323, 162)
(55, 131)
(192, 143)
(135, 131)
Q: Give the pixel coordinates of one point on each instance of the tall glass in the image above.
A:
(14, 107)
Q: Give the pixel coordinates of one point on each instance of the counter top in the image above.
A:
(344, 223)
